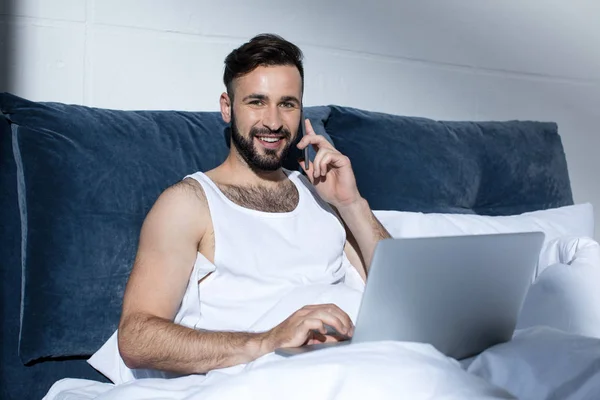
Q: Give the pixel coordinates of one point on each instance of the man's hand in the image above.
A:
(306, 326)
(330, 172)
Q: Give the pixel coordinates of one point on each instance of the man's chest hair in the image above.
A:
(282, 198)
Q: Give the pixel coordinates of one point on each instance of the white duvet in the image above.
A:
(555, 354)
(540, 363)
(384, 370)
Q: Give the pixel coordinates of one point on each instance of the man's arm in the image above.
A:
(363, 231)
(331, 174)
(148, 337)
(163, 345)
(167, 250)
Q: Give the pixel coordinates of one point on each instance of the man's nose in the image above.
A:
(272, 119)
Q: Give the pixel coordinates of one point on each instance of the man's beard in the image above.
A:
(270, 161)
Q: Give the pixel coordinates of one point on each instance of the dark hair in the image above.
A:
(262, 50)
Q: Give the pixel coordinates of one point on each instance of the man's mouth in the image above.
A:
(270, 142)
(269, 139)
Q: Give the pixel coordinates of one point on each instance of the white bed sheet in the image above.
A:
(543, 363)
(539, 363)
(382, 370)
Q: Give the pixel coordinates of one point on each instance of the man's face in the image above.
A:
(265, 115)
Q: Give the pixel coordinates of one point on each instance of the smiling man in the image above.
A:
(220, 249)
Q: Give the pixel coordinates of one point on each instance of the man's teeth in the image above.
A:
(269, 139)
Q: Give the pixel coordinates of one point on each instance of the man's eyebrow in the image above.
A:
(256, 96)
(264, 97)
(290, 98)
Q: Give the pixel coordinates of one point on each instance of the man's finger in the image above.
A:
(319, 338)
(313, 324)
(309, 128)
(327, 158)
(317, 162)
(317, 142)
(321, 311)
(340, 314)
(331, 320)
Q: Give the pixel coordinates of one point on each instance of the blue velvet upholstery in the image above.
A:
(84, 212)
(417, 164)
(87, 177)
(16, 380)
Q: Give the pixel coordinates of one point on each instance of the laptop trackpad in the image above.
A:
(292, 351)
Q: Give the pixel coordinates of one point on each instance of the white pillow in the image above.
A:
(575, 221)
(566, 294)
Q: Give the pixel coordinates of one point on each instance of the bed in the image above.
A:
(77, 182)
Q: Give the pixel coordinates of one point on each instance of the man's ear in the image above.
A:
(226, 105)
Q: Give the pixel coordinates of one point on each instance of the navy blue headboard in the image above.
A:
(418, 164)
(16, 380)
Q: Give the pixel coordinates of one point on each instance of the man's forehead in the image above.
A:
(271, 81)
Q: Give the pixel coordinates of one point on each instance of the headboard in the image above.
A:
(418, 164)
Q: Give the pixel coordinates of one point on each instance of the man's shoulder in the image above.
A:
(189, 186)
(179, 207)
(186, 191)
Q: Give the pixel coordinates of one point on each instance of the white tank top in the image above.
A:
(260, 257)
(266, 266)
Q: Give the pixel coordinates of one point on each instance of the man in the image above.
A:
(265, 230)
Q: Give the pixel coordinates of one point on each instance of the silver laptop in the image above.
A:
(460, 294)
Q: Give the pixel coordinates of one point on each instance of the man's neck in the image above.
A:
(239, 173)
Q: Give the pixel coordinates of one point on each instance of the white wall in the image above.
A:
(456, 59)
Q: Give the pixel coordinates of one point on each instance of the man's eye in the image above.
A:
(255, 102)
(287, 105)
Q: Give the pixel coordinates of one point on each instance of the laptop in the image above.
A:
(461, 294)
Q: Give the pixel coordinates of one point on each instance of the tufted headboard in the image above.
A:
(77, 183)
(418, 164)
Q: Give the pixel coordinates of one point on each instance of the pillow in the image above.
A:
(86, 179)
(571, 250)
(418, 164)
(576, 220)
(566, 294)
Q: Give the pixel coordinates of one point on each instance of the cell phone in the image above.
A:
(303, 133)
